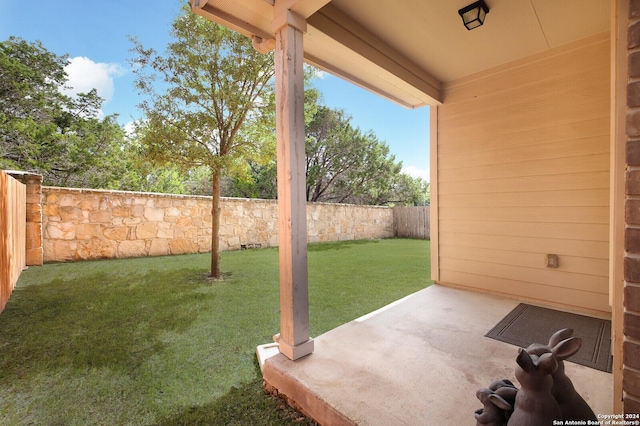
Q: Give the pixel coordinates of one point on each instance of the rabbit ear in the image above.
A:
(497, 384)
(538, 349)
(524, 361)
(547, 363)
(508, 383)
(567, 348)
(559, 336)
(499, 402)
(508, 393)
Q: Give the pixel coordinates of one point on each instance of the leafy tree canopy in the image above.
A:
(45, 131)
(343, 165)
(209, 103)
(209, 118)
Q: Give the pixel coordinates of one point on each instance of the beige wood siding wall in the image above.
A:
(523, 171)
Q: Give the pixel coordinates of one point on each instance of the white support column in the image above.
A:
(294, 341)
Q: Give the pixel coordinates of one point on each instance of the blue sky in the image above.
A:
(95, 36)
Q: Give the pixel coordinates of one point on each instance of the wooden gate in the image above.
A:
(13, 217)
(411, 222)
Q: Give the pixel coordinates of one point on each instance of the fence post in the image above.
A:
(34, 243)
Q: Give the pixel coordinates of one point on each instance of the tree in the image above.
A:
(89, 149)
(344, 164)
(260, 183)
(45, 131)
(209, 103)
(30, 101)
(261, 179)
(404, 190)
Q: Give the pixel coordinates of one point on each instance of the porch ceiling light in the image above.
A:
(474, 14)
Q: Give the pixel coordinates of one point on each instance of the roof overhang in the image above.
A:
(406, 51)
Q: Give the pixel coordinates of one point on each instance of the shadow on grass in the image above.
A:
(338, 245)
(137, 341)
(246, 404)
(93, 327)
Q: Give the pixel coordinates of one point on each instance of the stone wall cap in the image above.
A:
(203, 197)
(23, 173)
(349, 205)
(241, 199)
(117, 192)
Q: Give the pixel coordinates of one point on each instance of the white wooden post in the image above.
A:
(294, 341)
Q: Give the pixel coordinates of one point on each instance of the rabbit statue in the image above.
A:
(562, 345)
(535, 405)
(495, 409)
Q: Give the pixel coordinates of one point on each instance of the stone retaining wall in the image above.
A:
(93, 224)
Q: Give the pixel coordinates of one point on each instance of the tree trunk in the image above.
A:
(215, 226)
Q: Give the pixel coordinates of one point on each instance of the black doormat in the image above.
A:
(528, 324)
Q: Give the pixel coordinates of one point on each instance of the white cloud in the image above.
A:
(414, 171)
(320, 74)
(317, 73)
(84, 75)
(130, 128)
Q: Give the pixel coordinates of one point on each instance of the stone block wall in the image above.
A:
(83, 224)
(337, 222)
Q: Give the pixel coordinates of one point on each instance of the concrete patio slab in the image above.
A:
(419, 360)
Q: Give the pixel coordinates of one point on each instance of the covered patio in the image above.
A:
(535, 129)
(416, 361)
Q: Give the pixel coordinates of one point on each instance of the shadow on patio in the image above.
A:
(419, 360)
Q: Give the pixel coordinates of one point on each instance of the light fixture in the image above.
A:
(474, 14)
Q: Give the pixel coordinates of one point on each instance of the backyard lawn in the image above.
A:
(152, 341)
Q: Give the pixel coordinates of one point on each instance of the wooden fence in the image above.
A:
(13, 216)
(411, 222)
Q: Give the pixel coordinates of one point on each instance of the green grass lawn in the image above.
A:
(153, 341)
